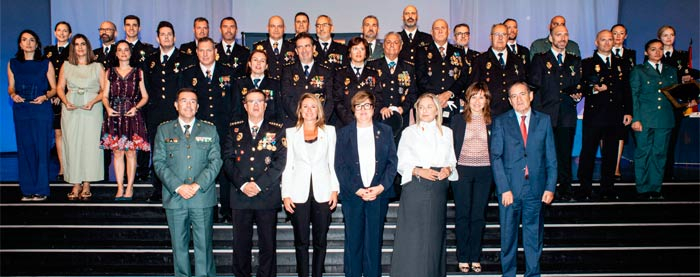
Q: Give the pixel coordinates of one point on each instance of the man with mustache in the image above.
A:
(107, 53)
(370, 30)
(544, 44)
(411, 37)
(228, 51)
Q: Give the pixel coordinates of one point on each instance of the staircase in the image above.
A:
(102, 237)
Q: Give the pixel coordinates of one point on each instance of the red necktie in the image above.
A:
(523, 131)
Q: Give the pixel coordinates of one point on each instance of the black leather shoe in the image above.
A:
(644, 196)
(155, 197)
(60, 179)
(226, 219)
(656, 196)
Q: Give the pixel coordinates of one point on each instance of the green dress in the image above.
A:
(82, 156)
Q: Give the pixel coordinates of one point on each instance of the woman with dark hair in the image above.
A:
(257, 77)
(353, 78)
(652, 121)
(426, 164)
(31, 82)
(366, 166)
(58, 54)
(80, 88)
(471, 134)
(309, 183)
(124, 130)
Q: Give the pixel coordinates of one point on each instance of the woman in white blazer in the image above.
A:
(309, 183)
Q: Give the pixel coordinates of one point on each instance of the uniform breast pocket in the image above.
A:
(203, 145)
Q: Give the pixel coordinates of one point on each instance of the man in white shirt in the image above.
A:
(370, 30)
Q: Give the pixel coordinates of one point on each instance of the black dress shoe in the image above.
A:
(59, 178)
(656, 196)
(645, 196)
(226, 219)
(609, 196)
(155, 197)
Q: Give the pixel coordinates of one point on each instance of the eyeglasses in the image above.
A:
(255, 101)
(105, 30)
(461, 34)
(365, 106)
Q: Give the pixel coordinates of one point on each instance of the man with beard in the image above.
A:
(370, 29)
(279, 51)
(513, 46)
(107, 53)
(330, 53)
(228, 51)
(200, 30)
(555, 74)
(411, 37)
(462, 35)
(545, 44)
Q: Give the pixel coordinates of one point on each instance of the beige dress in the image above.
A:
(82, 156)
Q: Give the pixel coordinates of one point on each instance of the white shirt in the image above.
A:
(251, 124)
(423, 146)
(653, 65)
(353, 66)
(622, 50)
(108, 48)
(224, 45)
(365, 150)
(371, 46)
(411, 35)
(169, 53)
(183, 123)
(311, 65)
(527, 119)
(563, 54)
(204, 69)
(513, 45)
(603, 57)
(272, 44)
(505, 55)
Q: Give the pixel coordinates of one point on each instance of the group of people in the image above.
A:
(308, 122)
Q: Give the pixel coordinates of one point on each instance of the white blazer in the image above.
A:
(301, 166)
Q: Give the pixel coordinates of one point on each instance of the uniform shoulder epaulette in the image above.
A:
(240, 77)
(234, 123)
(226, 65)
(323, 65)
(187, 67)
(276, 124)
(153, 53)
(276, 78)
(408, 62)
(681, 51)
(206, 122)
(166, 122)
(150, 46)
(570, 53)
(342, 67)
(245, 48)
(371, 68)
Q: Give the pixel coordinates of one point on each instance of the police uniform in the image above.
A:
(543, 45)
(269, 86)
(436, 74)
(602, 119)
(180, 160)
(51, 53)
(377, 51)
(521, 51)
(139, 52)
(346, 85)
(554, 85)
(214, 96)
(295, 83)
(275, 63)
(162, 81)
(236, 58)
(260, 160)
(488, 69)
(107, 60)
(334, 57)
(410, 47)
(398, 89)
(189, 48)
(629, 56)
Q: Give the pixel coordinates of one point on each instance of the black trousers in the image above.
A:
(243, 221)
(471, 194)
(592, 136)
(564, 143)
(151, 132)
(318, 214)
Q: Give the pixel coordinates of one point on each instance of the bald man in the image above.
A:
(411, 37)
(279, 51)
(544, 44)
(106, 54)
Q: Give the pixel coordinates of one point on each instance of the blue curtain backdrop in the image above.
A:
(584, 19)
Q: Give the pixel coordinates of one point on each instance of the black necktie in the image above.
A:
(410, 36)
(228, 49)
(106, 50)
(208, 76)
(658, 70)
(325, 46)
(617, 52)
(668, 54)
(165, 59)
(306, 71)
(560, 59)
(277, 51)
(60, 49)
(607, 62)
(256, 82)
(357, 72)
(501, 60)
(512, 47)
(187, 131)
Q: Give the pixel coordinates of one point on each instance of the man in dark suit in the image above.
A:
(329, 52)
(255, 154)
(544, 44)
(279, 51)
(212, 81)
(438, 65)
(524, 166)
(513, 46)
(187, 157)
(139, 50)
(398, 83)
(498, 68)
(370, 31)
(306, 75)
(106, 54)
(411, 37)
(201, 30)
(229, 52)
(555, 74)
(605, 84)
(462, 34)
(301, 25)
(162, 73)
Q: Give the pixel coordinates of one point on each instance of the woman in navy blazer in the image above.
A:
(309, 183)
(366, 167)
(472, 134)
